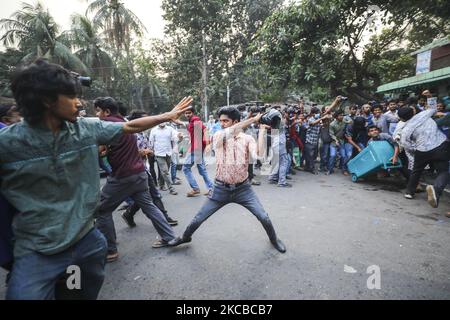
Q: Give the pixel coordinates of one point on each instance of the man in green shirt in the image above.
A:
(49, 173)
(337, 130)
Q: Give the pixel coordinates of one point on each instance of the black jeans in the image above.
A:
(438, 157)
(311, 153)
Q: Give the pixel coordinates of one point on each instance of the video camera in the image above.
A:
(84, 81)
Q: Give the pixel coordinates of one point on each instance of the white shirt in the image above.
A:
(163, 140)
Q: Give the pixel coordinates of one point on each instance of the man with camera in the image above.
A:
(234, 151)
(49, 173)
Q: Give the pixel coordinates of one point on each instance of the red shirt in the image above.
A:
(196, 130)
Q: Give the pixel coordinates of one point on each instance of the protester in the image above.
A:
(234, 150)
(163, 140)
(337, 146)
(422, 135)
(57, 196)
(195, 155)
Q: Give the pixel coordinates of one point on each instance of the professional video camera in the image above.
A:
(84, 81)
(272, 119)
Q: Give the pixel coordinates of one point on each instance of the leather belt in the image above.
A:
(227, 185)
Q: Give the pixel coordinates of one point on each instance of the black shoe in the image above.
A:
(279, 245)
(172, 222)
(179, 240)
(129, 220)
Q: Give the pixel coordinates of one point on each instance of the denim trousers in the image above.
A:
(283, 165)
(334, 150)
(324, 156)
(221, 196)
(113, 194)
(40, 277)
(190, 160)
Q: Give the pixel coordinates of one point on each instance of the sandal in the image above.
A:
(160, 243)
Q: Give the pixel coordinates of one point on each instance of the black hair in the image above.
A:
(359, 123)
(315, 110)
(353, 106)
(405, 113)
(123, 110)
(372, 127)
(411, 101)
(192, 109)
(38, 84)
(232, 113)
(136, 114)
(6, 109)
(107, 103)
(377, 106)
(393, 101)
(338, 113)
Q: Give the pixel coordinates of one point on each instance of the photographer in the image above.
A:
(49, 172)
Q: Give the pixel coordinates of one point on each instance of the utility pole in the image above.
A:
(205, 77)
(228, 95)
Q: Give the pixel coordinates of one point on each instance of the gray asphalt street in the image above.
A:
(334, 230)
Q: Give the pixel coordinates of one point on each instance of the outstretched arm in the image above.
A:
(142, 124)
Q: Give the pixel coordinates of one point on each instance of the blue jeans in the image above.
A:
(36, 276)
(283, 169)
(187, 170)
(173, 171)
(334, 149)
(221, 196)
(324, 156)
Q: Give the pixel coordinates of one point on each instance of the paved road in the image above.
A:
(333, 229)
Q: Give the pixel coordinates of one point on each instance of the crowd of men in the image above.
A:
(54, 214)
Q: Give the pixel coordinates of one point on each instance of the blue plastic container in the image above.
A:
(375, 157)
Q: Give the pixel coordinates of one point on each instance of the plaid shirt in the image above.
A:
(312, 132)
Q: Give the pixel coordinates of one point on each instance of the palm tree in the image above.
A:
(119, 25)
(34, 31)
(84, 37)
(118, 22)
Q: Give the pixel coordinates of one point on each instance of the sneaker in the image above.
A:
(129, 220)
(432, 198)
(176, 183)
(160, 244)
(409, 196)
(256, 183)
(172, 222)
(111, 257)
(193, 193)
(273, 182)
(173, 192)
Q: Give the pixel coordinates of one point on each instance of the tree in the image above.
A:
(34, 31)
(318, 43)
(119, 25)
(84, 37)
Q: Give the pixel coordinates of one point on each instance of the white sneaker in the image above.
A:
(408, 196)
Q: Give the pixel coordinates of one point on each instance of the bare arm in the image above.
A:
(333, 105)
(239, 127)
(142, 124)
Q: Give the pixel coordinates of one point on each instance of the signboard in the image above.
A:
(432, 103)
(423, 62)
